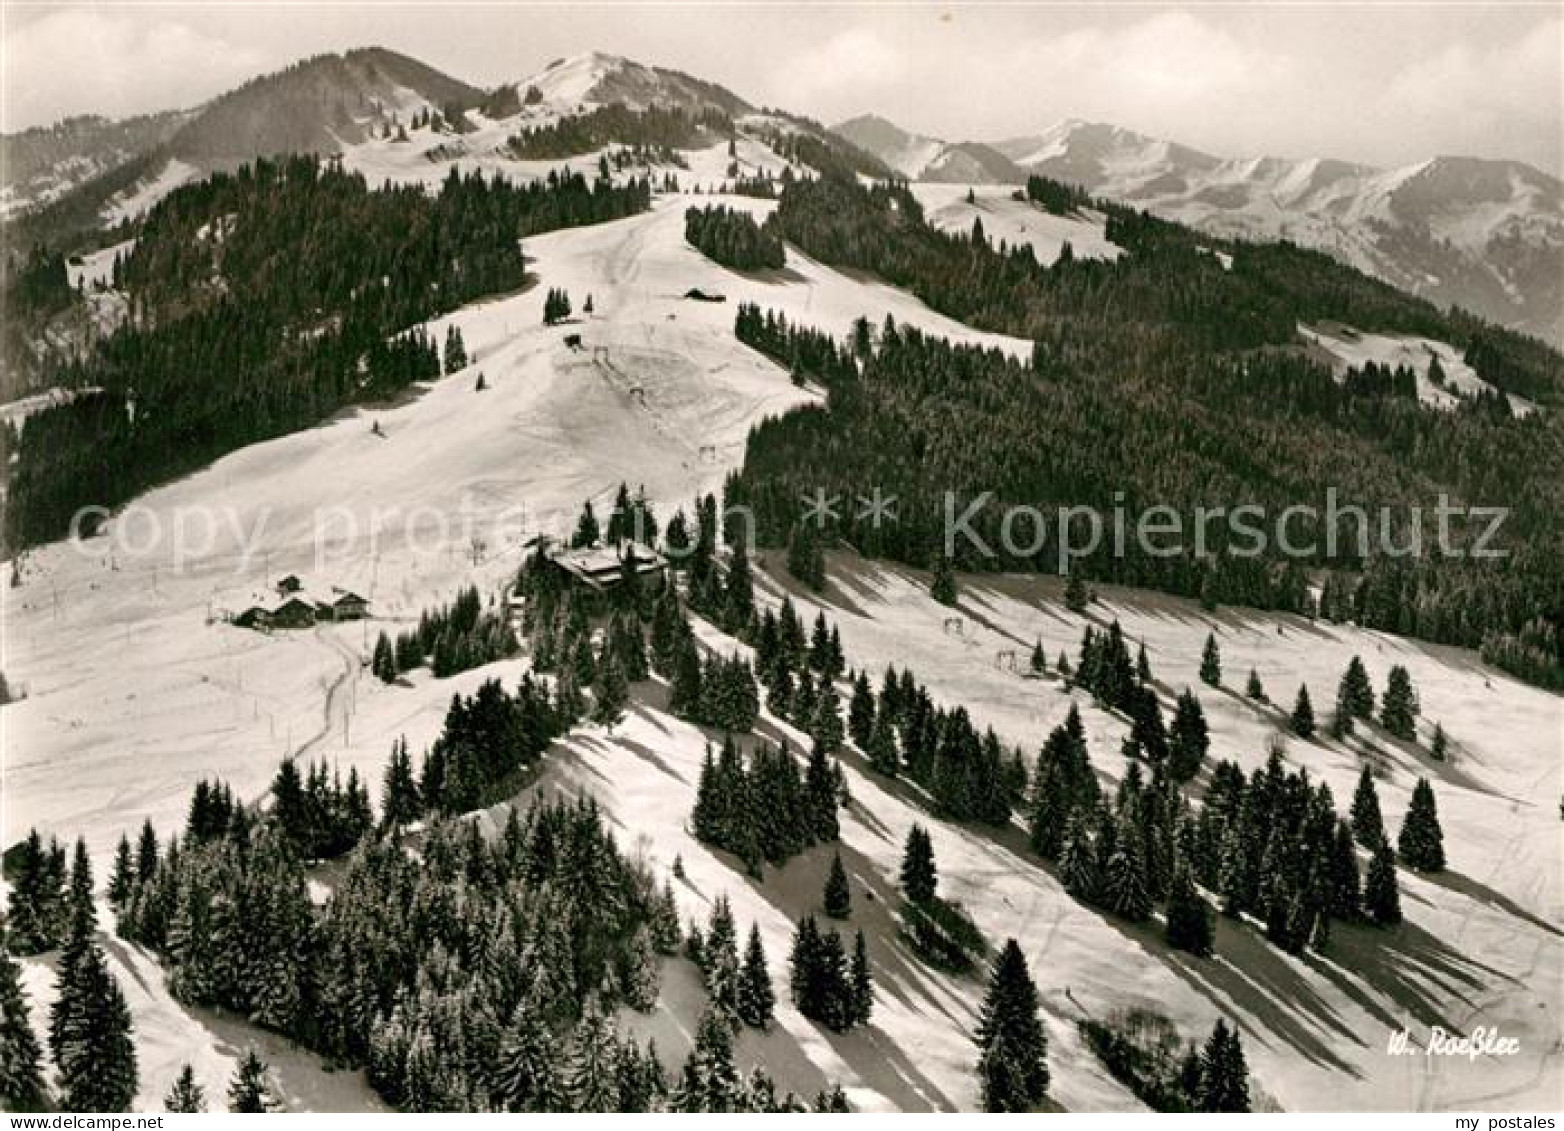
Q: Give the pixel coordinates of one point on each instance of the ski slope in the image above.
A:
(136, 689)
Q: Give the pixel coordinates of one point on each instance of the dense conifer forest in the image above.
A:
(732, 238)
(658, 130)
(291, 286)
(1163, 378)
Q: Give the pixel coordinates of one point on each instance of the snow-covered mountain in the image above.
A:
(599, 79)
(319, 105)
(44, 163)
(1482, 234)
(922, 158)
(361, 104)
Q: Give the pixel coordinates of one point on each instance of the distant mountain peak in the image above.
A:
(598, 78)
(317, 105)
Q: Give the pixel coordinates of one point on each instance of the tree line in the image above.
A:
(920, 417)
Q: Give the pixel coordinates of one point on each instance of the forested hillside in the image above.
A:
(1165, 377)
(264, 301)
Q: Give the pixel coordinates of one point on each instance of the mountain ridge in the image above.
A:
(1485, 234)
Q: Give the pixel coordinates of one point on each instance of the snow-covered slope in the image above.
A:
(1015, 221)
(43, 164)
(121, 666)
(136, 690)
(599, 79)
(1346, 347)
(1482, 945)
(319, 105)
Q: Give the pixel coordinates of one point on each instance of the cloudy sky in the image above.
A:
(1383, 82)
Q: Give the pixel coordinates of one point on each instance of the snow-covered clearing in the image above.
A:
(96, 268)
(136, 201)
(1015, 221)
(428, 157)
(1348, 348)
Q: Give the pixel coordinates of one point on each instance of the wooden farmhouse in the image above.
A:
(292, 605)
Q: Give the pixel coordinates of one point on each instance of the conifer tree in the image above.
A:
(943, 586)
(1381, 893)
(1013, 1046)
(1368, 827)
(1189, 925)
(1439, 747)
(1398, 708)
(1302, 720)
(860, 713)
(186, 1097)
(821, 792)
(1076, 596)
(1224, 1075)
(720, 953)
(122, 879)
(919, 876)
(82, 909)
(95, 1053)
(247, 1093)
(884, 757)
(1039, 661)
(1254, 689)
(710, 1080)
(1345, 901)
(1125, 887)
(838, 895)
(805, 557)
(1421, 843)
(526, 1073)
(399, 801)
(587, 532)
(1211, 662)
(643, 971)
(455, 350)
(383, 665)
(21, 1060)
(610, 693)
(146, 851)
(1190, 740)
(36, 901)
(591, 1073)
(1354, 699)
(1142, 664)
(1078, 860)
(757, 1001)
(861, 982)
(826, 727)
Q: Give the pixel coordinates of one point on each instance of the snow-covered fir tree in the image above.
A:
(1013, 1047)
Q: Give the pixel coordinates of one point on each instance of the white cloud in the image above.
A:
(850, 64)
(80, 61)
(1487, 98)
